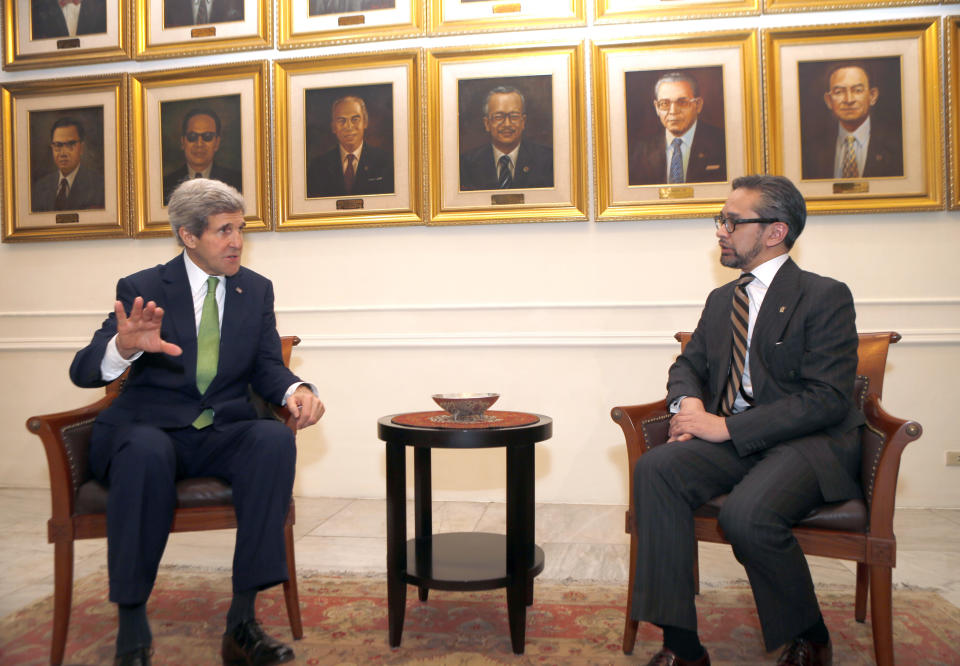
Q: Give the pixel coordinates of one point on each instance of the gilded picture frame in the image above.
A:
(367, 105)
(462, 16)
(306, 23)
(537, 113)
(784, 6)
(716, 75)
(879, 81)
(952, 29)
(38, 33)
(65, 159)
(207, 120)
(175, 28)
(621, 11)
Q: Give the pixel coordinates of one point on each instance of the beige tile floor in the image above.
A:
(581, 542)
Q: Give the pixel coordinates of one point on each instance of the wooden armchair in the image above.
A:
(79, 503)
(859, 530)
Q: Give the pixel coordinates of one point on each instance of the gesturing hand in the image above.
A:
(140, 331)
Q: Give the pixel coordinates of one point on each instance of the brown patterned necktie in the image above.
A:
(849, 167)
(739, 318)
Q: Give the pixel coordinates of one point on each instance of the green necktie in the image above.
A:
(208, 347)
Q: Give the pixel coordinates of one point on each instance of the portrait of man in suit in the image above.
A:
(177, 13)
(763, 411)
(321, 7)
(506, 160)
(200, 137)
(195, 333)
(354, 166)
(856, 137)
(682, 147)
(52, 18)
(75, 183)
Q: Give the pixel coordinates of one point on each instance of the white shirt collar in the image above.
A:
(861, 134)
(198, 278)
(766, 271)
(686, 137)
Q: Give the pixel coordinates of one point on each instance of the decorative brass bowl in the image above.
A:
(465, 406)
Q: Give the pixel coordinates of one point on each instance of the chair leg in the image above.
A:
(62, 598)
(630, 625)
(696, 568)
(290, 593)
(863, 579)
(881, 612)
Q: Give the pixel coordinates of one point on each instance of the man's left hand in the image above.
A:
(694, 421)
(305, 407)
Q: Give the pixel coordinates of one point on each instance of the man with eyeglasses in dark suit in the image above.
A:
(200, 141)
(686, 150)
(507, 162)
(74, 184)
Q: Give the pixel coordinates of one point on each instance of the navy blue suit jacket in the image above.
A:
(161, 390)
(803, 364)
(534, 168)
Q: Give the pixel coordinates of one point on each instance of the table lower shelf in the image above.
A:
(463, 561)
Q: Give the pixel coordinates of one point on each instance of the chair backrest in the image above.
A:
(871, 365)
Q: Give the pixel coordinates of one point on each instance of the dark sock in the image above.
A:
(133, 630)
(683, 643)
(817, 633)
(241, 609)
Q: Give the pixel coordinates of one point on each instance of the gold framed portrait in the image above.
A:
(619, 11)
(44, 33)
(176, 28)
(200, 122)
(953, 107)
(781, 6)
(318, 22)
(676, 119)
(349, 141)
(507, 147)
(65, 159)
(460, 16)
(843, 104)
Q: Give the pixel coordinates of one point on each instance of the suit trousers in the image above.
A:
(769, 491)
(140, 465)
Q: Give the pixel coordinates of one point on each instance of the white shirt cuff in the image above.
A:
(113, 364)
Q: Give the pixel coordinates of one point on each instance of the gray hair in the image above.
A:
(504, 90)
(677, 77)
(350, 98)
(195, 200)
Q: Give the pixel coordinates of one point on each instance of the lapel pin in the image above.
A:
(783, 308)
(240, 291)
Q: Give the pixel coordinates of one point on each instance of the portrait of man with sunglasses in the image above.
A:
(200, 141)
(74, 184)
(684, 148)
(508, 161)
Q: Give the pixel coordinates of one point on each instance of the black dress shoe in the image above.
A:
(248, 645)
(666, 657)
(801, 652)
(139, 657)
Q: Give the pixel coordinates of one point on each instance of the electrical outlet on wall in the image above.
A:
(953, 458)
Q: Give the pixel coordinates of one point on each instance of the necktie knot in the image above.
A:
(745, 279)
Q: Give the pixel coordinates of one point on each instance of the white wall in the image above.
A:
(563, 319)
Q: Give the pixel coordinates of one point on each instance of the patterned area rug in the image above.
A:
(345, 622)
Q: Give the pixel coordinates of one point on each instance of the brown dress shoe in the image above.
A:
(248, 645)
(667, 658)
(138, 657)
(801, 652)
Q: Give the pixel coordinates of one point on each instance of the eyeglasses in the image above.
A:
(730, 223)
(206, 136)
(682, 104)
(60, 145)
(499, 117)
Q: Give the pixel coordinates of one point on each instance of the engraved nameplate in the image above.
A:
(68, 43)
(851, 188)
(506, 199)
(68, 218)
(208, 31)
(513, 8)
(356, 19)
(349, 204)
(676, 192)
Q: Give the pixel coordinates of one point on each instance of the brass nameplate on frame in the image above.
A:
(514, 8)
(68, 218)
(349, 204)
(676, 192)
(506, 199)
(68, 43)
(851, 188)
(356, 19)
(209, 31)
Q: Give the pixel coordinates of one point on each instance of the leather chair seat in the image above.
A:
(848, 516)
(200, 491)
